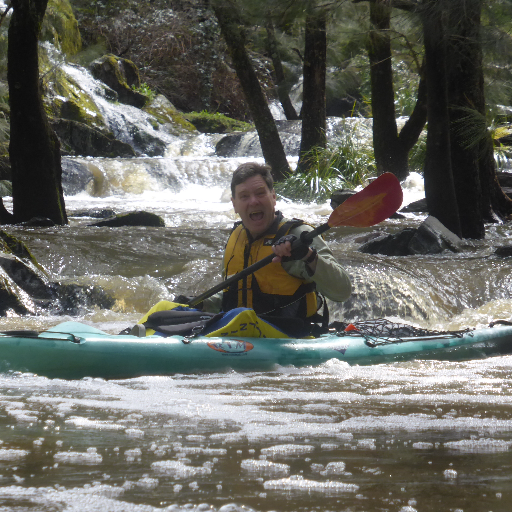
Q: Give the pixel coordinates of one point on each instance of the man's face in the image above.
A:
(255, 204)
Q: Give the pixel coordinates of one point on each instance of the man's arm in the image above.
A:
(330, 277)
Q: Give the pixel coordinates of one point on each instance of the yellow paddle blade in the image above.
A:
(375, 203)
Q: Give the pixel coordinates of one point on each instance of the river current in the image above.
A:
(403, 437)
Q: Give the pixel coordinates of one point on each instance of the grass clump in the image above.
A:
(145, 90)
(342, 165)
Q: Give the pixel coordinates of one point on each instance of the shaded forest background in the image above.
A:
(441, 64)
(433, 63)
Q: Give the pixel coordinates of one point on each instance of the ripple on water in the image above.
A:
(299, 483)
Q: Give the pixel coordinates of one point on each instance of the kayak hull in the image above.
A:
(73, 350)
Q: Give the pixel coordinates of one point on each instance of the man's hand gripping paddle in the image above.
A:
(375, 203)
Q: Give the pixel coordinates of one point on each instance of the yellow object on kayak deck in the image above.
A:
(241, 322)
(245, 323)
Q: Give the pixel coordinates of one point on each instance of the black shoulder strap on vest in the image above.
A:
(287, 226)
(235, 225)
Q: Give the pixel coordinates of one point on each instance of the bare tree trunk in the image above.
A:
(226, 12)
(467, 113)
(282, 87)
(474, 166)
(438, 177)
(313, 95)
(34, 149)
(390, 147)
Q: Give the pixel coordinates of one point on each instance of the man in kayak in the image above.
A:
(286, 291)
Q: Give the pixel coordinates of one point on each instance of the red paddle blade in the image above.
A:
(375, 203)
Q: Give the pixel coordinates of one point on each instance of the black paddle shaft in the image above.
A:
(305, 239)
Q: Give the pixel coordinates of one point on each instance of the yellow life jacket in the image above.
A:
(270, 290)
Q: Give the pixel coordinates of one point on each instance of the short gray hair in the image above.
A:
(245, 171)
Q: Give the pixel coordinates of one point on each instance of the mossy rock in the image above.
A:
(120, 75)
(12, 245)
(61, 27)
(64, 98)
(216, 123)
(81, 139)
(167, 116)
(140, 218)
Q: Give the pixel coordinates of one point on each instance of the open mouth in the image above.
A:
(255, 216)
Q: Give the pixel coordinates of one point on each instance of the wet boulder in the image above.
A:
(419, 206)
(23, 282)
(205, 122)
(26, 287)
(75, 299)
(340, 195)
(14, 299)
(120, 75)
(247, 144)
(431, 237)
(132, 219)
(147, 143)
(25, 275)
(168, 118)
(75, 176)
(79, 139)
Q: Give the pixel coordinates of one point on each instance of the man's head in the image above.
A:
(248, 170)
(253, 197)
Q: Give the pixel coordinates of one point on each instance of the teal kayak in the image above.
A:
(73, 350)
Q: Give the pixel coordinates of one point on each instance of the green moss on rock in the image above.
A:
(61, 27)
(64, 98)
(12, 245)
(120, 75)
(216, 123)
(167, 116)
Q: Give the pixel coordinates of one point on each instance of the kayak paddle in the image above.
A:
(375, 203)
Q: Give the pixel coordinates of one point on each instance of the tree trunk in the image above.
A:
(467, 113)
(391, 148)
(438, 177)
(313, 89)
(34, 149)
(282, 87)
(226, 12)
(474, 167)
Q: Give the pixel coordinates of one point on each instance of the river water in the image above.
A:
(403, 437)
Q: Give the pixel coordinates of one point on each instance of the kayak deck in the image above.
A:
(73, 350)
